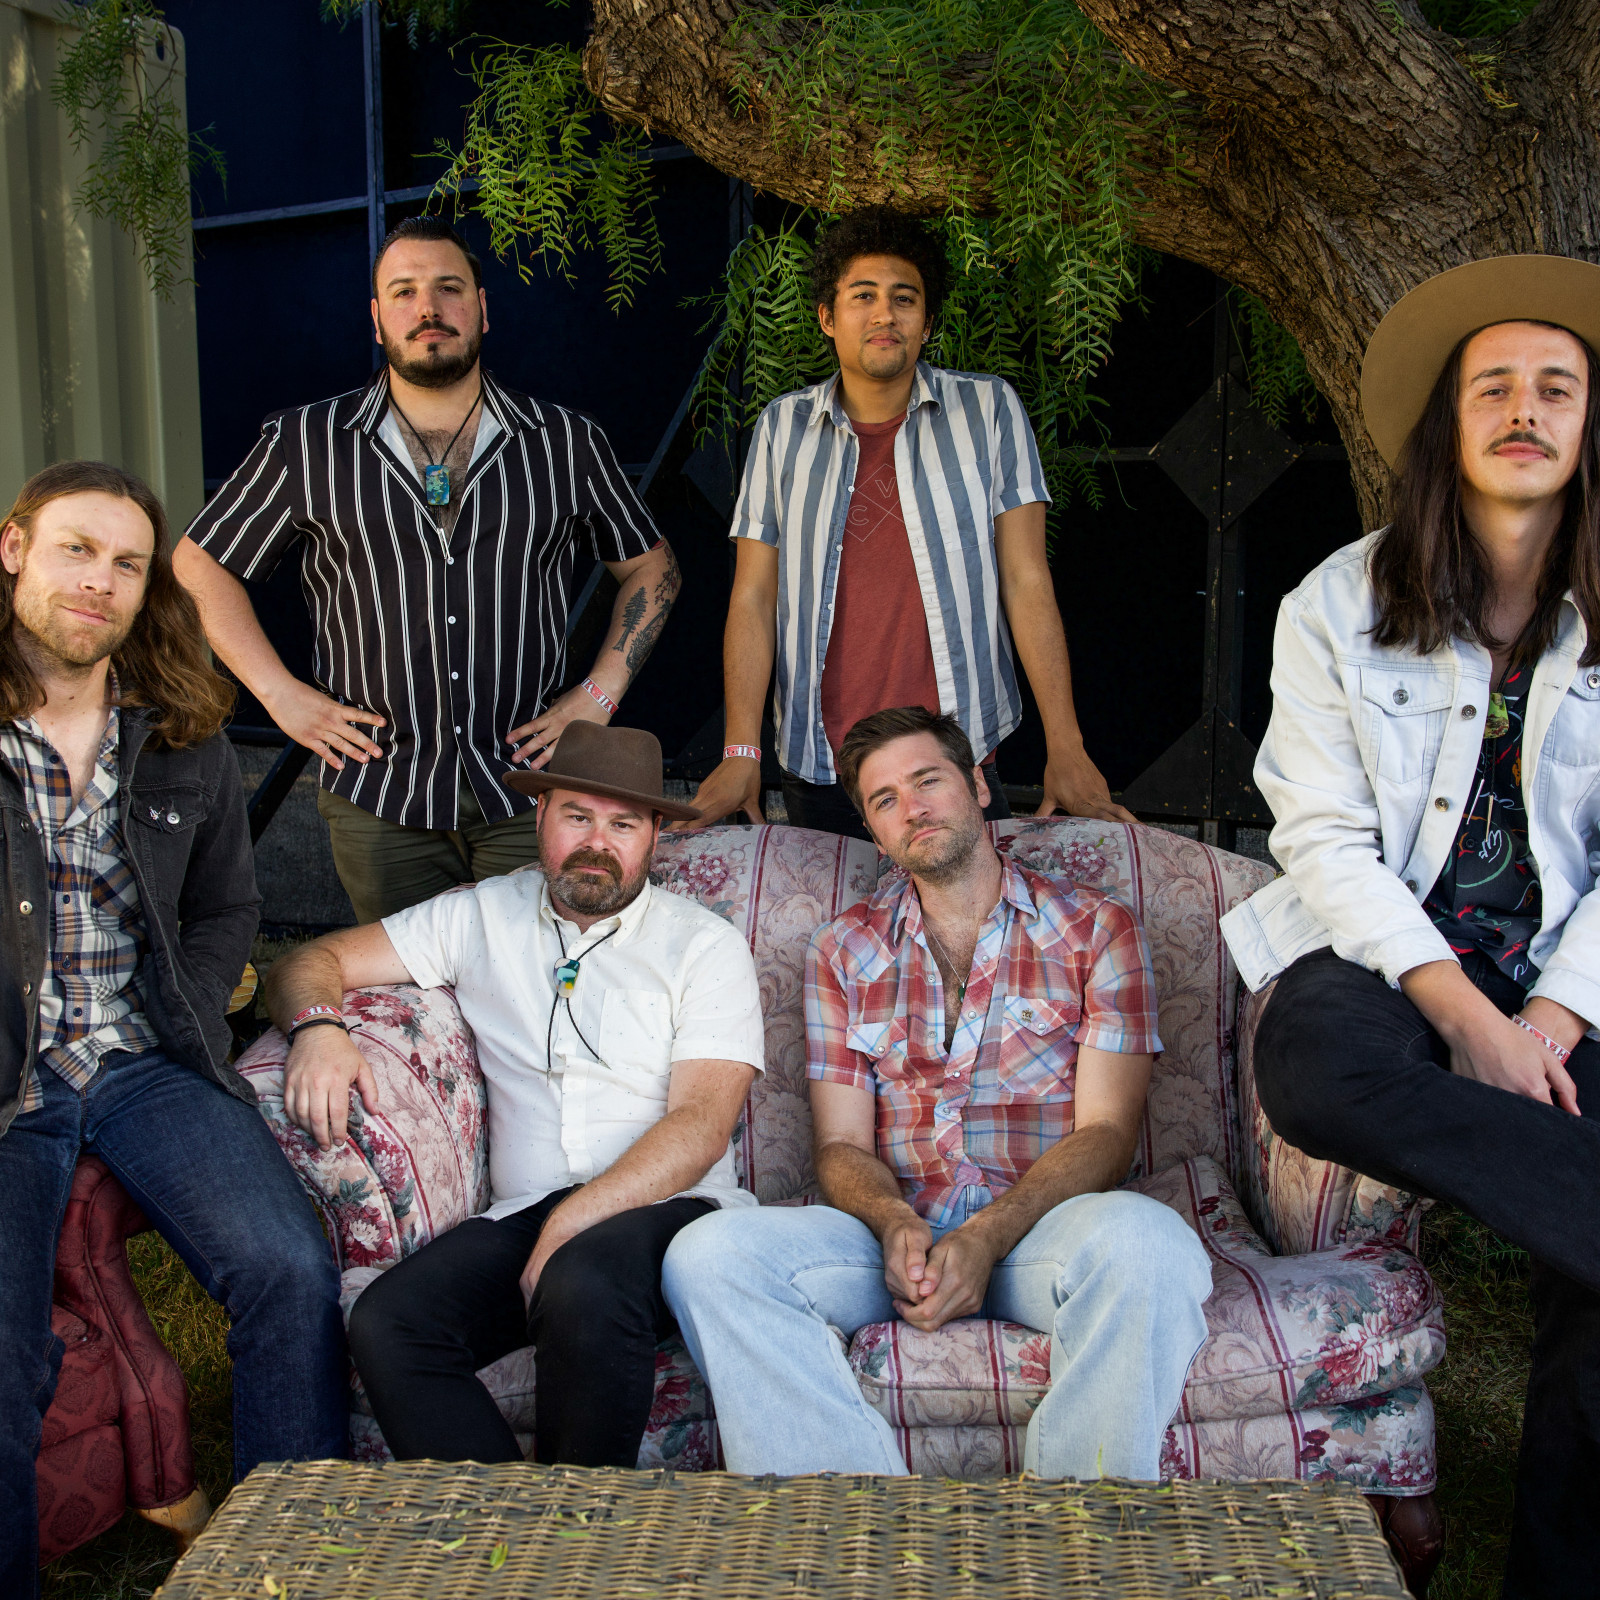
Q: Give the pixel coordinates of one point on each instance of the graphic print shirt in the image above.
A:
(1487, 897)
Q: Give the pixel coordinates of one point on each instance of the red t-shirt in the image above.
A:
(879, 654)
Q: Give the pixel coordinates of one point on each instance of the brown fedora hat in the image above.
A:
(1408, 350)
(618, 763)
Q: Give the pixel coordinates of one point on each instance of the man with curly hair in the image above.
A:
(891, 550)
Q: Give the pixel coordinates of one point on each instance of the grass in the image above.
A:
(1477, 1393)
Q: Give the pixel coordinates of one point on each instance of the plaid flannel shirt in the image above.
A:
(1057, 967)
(89, 997)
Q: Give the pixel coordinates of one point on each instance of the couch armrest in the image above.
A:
(420, 1163)
(93, 1282)
(1301, 1204)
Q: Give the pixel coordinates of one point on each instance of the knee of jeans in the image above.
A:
(1147, 1243)
(704, 1257)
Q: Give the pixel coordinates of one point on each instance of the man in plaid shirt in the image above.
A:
(980, 1042)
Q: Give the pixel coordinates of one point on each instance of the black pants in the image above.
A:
(419, 1334)
(826, 807)
(1350, 1071)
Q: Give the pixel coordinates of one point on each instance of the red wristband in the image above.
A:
(599, 694)
(314, 1011)
(751, 752)
(1560, 1052)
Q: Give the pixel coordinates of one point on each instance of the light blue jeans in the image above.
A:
(1118, 1279)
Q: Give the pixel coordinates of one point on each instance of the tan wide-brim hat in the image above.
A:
(1411, 345)
(615, 763)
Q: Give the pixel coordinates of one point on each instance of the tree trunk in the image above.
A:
(1345, 152)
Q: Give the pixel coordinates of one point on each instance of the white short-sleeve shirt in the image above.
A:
(663, 981)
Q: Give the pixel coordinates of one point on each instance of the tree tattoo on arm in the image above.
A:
(643, 619)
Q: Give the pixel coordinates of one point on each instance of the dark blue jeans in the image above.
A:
(205, 1169)
(1350, 1071)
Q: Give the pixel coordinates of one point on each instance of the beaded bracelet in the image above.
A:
(750, 751)
(1560, 1052)
(597, 693)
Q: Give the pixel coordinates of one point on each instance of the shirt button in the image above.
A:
(1468, 713)
(1411, 884)
(1401, 696)
(449, 561)
(971, 1014)
(26, 908)
(449, 619)
(1441, 804)
(458, 727)
(66, 899)
(454, 676)
(27, 989)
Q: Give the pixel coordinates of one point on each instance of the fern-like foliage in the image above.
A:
(118, 104)
(1273, 359)
(434, 18)
(542, 177)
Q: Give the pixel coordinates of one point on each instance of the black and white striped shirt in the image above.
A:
(455, 639)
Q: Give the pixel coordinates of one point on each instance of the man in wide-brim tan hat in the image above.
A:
(1433, 766)
(619, 1029)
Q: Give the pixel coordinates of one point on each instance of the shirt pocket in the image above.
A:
(1403, 715)
(1037, 1046)
(636, 1033)
(882, 1043)
(1574, 738)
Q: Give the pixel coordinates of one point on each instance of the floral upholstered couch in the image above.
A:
(1322, 1320)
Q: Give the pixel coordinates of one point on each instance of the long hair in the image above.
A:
(162, 665)
(1428, 569)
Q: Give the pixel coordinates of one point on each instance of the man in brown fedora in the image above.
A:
(1433, 767)
(619, 1029)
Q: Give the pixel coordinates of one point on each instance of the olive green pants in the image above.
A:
(385, 868)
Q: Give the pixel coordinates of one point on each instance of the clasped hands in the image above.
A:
(935, 1283)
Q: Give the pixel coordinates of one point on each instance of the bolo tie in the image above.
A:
(436, 475)
(566, 980)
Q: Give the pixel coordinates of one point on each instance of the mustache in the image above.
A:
(593, 858)
(432, 327)
(1522, 436)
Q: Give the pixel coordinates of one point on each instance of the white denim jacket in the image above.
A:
(1369, 760)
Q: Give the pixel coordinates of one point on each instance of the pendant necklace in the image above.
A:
(436, 475)
(961, 993)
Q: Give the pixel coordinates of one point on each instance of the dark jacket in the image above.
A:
(188, 844)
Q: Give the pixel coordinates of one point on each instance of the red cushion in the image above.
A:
(117, 1431)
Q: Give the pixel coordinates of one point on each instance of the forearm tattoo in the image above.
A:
(642, 620)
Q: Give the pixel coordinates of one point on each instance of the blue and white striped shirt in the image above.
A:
(965, 454)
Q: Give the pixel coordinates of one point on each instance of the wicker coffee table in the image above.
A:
(420, 1530)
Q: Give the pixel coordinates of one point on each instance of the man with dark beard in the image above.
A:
(439, 518)
(619, 1029)
(980, 1042)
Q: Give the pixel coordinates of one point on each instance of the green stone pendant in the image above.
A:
(1498, 722)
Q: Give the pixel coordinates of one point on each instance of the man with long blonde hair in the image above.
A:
(131, 903)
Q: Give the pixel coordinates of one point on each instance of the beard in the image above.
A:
(890, 363)
(54, 636)
(429, 367)
(943, 856)
(593, 897)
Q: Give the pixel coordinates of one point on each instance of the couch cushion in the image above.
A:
(1285, 1333)
(1381, 1446)
(425, 1145)
(797, 879)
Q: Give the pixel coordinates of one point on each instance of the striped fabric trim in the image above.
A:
(965, 454)
(454, 640)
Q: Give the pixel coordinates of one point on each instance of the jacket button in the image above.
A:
(1401, 696)
(172, 819)
(1411, 884)
(26, 908)
(1468, 713)
(1441, 804)
(1594, 680)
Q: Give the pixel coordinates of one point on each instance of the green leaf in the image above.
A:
(497, 1556)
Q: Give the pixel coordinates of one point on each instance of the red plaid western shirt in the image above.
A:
(1057, 966)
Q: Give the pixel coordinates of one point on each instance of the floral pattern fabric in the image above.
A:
(1322, 1322)
(1303, 1204)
